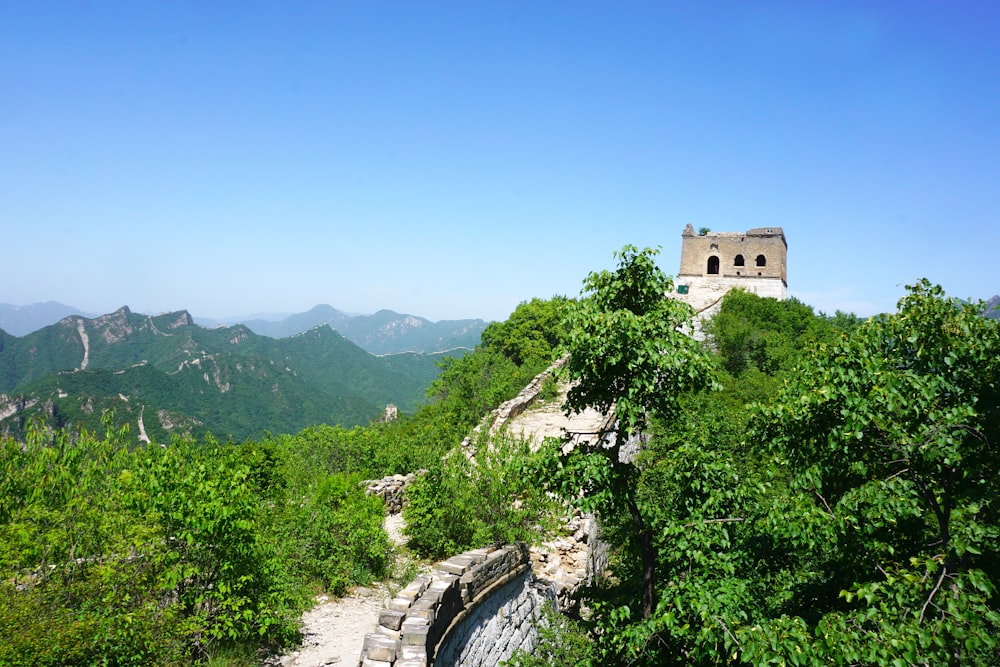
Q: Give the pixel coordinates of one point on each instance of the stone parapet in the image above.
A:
(391, 489)
(436, 610)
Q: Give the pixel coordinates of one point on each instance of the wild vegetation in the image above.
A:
(200, 550)
(827, 495)
(801, 489)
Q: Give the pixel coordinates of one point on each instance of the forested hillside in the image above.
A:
(180, 378)
(194, 550)
(801, 489)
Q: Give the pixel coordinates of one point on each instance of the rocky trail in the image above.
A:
(334, 630)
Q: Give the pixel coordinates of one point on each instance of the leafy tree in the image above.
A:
(463, 503)
(888, 534)
(511, 354)
(751, 332)
(531, 333)
(850, 521)
(627, 354)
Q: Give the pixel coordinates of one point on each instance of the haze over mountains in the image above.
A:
(384, 332)
(166, 375)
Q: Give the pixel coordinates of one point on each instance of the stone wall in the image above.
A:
(494, 422)
(504, 623)
(705, 292)
(574, 559)
(450, 617)
(391, 489)
(736, 253)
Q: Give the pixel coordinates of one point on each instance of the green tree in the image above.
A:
(888, 533)
(463, 503)
(511, 354)
(627, 354)
(531, 333)
(768, 335)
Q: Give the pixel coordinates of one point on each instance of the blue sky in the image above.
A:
(451, 160)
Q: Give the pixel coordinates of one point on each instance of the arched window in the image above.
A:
(713, 265)
(761, 260)
(739, 261)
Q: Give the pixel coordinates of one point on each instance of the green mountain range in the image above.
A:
(384, 332)
(165, 375)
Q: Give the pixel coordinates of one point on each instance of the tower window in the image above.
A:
(761, 260)
(739, 261)
(713, 265)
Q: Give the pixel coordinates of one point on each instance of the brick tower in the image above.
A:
(715, 262)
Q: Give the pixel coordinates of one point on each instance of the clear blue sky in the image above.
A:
(452, 159)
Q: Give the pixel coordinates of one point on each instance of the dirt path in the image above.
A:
(334, 630)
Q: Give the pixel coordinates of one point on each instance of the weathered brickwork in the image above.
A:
(716, 262)
(476, 609)
(757, 253)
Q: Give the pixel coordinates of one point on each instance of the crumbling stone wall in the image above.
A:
(391, 489)
(736, 252)
(449, 617)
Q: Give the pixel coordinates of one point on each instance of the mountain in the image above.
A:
(385, 332)
(22, 320)
(298, 323)
(993, 307)
(166, 375)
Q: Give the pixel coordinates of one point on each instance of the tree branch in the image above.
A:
(930, 597)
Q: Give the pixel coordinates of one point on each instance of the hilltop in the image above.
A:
(166, 375)
(383, 332)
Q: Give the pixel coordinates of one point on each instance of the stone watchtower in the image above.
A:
(715, 262)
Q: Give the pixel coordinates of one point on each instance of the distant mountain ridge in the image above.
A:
(166, 375)
(384, 332)
(993, 307)
(22, 320)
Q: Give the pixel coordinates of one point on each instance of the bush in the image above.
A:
(462, 504)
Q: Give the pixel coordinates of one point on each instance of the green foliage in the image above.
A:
(889, 441)
(850, 521)
(626, 348)
(471, 386)
(512, 353)
(169, 554)
(561, 641)
(757, 333)
(337, 530)
(627, 354)
(460, 503)
(531, 333)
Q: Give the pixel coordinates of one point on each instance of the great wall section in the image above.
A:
(477, 608)
(474, 608)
